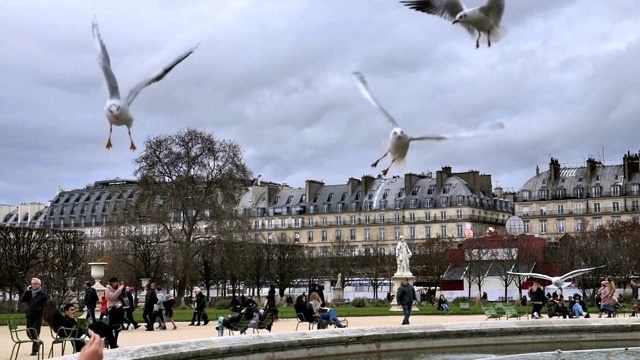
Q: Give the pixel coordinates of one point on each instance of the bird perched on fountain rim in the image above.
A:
(483, 19)
(399, 140)
(116, 109)
(558, 281)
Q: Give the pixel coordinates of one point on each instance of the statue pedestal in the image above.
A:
(397, 282)
(338, 294)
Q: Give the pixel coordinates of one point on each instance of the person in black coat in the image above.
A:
(150, 299)
(90, 301)
(271, 297)
(200, 305)
(36, 298)
(321, 293)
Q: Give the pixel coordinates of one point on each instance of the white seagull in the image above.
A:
(398, 140)
(558, 281)
(116, 109)
(483, 19)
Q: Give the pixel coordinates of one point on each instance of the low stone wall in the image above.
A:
(302, 344)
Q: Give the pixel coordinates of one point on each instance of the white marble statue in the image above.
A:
(403, 253)
(339, 282)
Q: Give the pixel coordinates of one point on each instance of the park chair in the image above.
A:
(18, 340)
(63, 336)
(302, 320)
(491, 313)
(511, 312)
(465, 306)
(265, 324)
(241, 325)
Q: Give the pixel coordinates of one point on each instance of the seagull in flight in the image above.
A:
(481, 20)
(399, 140)
(116, 109)
(558, 281)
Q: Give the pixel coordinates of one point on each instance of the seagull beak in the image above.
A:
(454, 22)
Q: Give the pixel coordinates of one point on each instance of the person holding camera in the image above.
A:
(113, 292)
(36, 298)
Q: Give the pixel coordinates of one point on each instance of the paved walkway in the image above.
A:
(185, 332)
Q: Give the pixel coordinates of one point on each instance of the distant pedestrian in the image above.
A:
(150, 300)
(169, 305)
(103, 307)
(271, 297)
(406, 296)
(198, 306)
(158, 308)
(91, 300)
(36, 298)
(129, 308)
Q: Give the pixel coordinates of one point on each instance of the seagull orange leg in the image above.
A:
(385, 171)
(109, 146)
(133, 146)
(478, 40)
(489, 38)
(377, 161)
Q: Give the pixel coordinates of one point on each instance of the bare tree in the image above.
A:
(21, 251)
(286, 264)
(430, 259)
(257, 271)
(62, 265)
(375, 264)
(340, 260)
(189, 182)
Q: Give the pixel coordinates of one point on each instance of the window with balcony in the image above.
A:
(596, 207)
(578, 208)
(396, 217)
(367, 234)
(324, 221)
(443, 231)
(459, 214)
(542, 194)
(412, 232)
(412, 217)
(297, 222)
(561, 226)
(367, 219)
(527, 227)
(560, 209)
(459, 230)
(325, 236)
(338, 220)
(634, 205)
(525, 194)
(382, 234)
(543, 226)
(444, 201)
(560, 193)
(615, 206)
(427, 216)
(283, 223)
(338, 234)
(427, 231)
(381, 218)
(352, 234)
(443, 215)
(635, 189)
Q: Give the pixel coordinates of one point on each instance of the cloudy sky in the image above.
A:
(275, 76)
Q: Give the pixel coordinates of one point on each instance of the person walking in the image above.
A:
(36, 298)
(132, 324)
(199, 304)
(149, 301)
(537, 299)
(406, 297)
(91, 300)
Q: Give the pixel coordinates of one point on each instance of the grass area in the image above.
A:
(184, 315)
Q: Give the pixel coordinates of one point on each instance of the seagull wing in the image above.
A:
(494, 10)
(465, 134)
(105, 62)
(159, 76)
(446, 9)
(578, 272)
(361, 82)
(535, 275)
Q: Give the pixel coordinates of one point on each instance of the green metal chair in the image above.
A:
(63, 336)
(18, 340)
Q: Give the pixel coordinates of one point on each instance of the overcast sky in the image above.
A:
(275, 76)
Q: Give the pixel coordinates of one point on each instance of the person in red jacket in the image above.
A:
(103, 307)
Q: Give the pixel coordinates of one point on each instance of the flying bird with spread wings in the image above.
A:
(558, 281)
(116, 109)
(399, 140)
(484, 19)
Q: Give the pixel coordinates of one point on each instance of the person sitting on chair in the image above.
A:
(229, 322)
(328, 314)
(579, 307)
(442, 305)
(305, 313)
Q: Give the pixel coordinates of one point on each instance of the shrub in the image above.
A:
(358, 302)
(379, 303)
(460, 299)
(223, 304)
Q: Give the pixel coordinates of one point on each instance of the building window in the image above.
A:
(396, 217)
(427, 231)
(578, 224)
(596, 207)
(381, 234)
(283, 237)
(615, 206)
(338, 220)
(443, 231)
(257, 224)
(367, 234)
(578, 192)
(413, 203)
(310, 221)
(543, 226)
(324, 221)
(459, 230)
(634, 205)
(597, 191)
(444, 201)
(443, 215)
(367, 219)
(283, 223)
(352, 234)
(269, 238)
(560, 209)
(353, 219)
(561, 226)
(415, 190)
(270, 224)
(381, 218)
(309, 236)
(338, 234)
(635, 189)
(525, 211)
(527, 227)
(525, 195)
(543, 210)
(460, 200)
(542, 194)
(326, 208)
(367, 205)
(412, 232)
(428, 202)
(296, 237)
(396, 232)
(412, 217)
(615, 219)
(459, 214)
(427, 216)
(597, 223)
(578, 208)
(325, 237)
(297, 222)
(560, 193)
(615, 190)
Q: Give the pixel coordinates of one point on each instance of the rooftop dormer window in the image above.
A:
(358, 195)
(415, 190)
(330, 197)
(289, 199)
